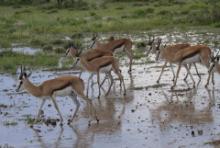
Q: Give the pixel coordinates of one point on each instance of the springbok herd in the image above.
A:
(100, 58)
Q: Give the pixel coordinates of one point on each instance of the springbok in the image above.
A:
(96, 61)
(168, 54)
(215, 66)
(193, 54)
(116, 45)
(60, 86)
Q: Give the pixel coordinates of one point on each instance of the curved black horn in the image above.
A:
(21, 69)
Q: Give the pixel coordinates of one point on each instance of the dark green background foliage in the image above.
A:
(45, 23)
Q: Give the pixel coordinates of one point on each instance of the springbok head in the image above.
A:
(94, 40)
(22, 77)
(111, 38)
(214, 60)
(72, 51)
(158, 48)
(151, 41)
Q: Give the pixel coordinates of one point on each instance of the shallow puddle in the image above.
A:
(150, 115)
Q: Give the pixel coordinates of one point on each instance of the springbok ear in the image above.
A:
(212, 58)
(28, 75)
(25, 75)
(94, 37)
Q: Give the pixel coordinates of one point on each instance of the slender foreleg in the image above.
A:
(57, 108)
(111, 82)
(165, 63)
(76, 102)
(39, 111)
(188, 71)
(177, 74)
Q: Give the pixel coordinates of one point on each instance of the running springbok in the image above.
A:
(96, 61)
(193, 54)
(60, 86)
(168, 54)
(116, 45)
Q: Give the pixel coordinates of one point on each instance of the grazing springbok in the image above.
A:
(168, 54)
(116, 45)
(215, 66)
(96, 61)
(193, 54)
(60, 86)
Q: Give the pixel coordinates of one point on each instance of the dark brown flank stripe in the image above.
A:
(191, 55)
(117, 46)
(105, 64)
(62, 87)
(98, 56)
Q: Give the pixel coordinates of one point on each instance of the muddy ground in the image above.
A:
(150, 115)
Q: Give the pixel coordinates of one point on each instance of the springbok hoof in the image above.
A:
(69, 121)
(89, 123)
(158, 81)
(97, 120)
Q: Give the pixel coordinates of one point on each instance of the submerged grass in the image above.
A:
(10, 123)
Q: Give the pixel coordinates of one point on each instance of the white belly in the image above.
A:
(193, 59)
(119, 49)
(106, 69)
(64, 92)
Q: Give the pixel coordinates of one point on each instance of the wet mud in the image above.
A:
(150, 115)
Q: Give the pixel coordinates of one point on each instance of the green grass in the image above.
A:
(10, 61)
(45, 25)
(42, 24)
(10, 123)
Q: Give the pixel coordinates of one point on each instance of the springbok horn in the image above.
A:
(24, 69)
(153, 38)
(217, 53)
(92, 44)
(21, 69)
(29, 74)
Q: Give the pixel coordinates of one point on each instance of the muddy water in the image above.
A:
(151, 115)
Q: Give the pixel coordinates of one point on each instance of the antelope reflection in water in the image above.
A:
(184, 112)
(109, 124)
(44, 143)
